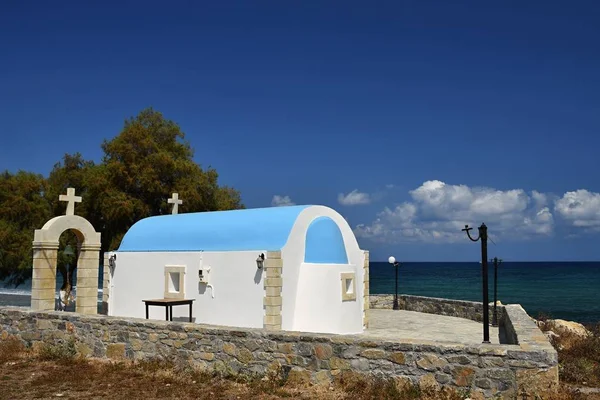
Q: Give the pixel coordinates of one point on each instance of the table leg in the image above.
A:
(147, 316)
(167, 313)
(190, 312)
(171, 313)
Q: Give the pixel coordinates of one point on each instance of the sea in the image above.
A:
(559, 290)
(565, 290)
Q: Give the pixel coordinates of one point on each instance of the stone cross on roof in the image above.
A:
(176, 202)
(71, 199)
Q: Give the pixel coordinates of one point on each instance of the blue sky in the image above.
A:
(429, 114)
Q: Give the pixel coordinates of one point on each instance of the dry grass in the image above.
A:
(359, 387)
(580, 363)
(578, 357)
(566, 393)
(11, 349)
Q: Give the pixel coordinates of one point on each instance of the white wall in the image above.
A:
(298, 284)
(237, 282)
(319, 305)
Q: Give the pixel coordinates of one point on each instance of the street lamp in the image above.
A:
(392, 260)
(484, 271)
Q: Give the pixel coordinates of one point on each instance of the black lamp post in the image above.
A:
(496, 262)
(484, 271)
(392, 260)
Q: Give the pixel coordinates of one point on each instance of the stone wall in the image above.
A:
(273, 282)
(482, 370)
(105, 284)
(431, 305)
(366, 301)
(521, 330)
(508, 333)
(519, 327)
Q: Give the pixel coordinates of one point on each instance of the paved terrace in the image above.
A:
(406, 325)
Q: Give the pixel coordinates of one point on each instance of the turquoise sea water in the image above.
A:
(566, 290)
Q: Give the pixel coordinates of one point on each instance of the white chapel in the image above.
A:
(296, 268)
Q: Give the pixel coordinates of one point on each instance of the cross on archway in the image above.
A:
(176, 202)
(71, 199)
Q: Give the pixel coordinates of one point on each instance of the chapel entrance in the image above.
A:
(45, 256)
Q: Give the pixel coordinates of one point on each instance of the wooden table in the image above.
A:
(168, 305)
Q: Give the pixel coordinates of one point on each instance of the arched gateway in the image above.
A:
(45, 252)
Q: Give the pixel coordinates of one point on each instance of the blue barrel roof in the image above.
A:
(325, 243)
(235, 230)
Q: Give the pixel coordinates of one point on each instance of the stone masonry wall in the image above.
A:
(431, 305)
(482, 370)
(521, 330)
(105, 284)
(366, 301)
(273, 282)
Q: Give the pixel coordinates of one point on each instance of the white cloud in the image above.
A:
(404, 224)
(281, 201)
(438, 211)
(542, 222)
(440, 200)
(354, 198)
(540, 199)
(580, 208)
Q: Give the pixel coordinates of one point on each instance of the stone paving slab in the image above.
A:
(406, 325)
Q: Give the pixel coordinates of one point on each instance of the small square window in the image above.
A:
(348, 286)
(174, 282)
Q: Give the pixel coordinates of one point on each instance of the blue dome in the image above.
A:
(235, 230)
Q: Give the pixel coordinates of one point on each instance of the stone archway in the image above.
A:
(45, 252)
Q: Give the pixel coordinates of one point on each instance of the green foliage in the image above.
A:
(22, 209)
(142, 166)
(72, 171)
(146, 162)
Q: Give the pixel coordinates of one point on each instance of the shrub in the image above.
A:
(63, 351)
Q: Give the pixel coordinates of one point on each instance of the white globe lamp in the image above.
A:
(392, 260)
